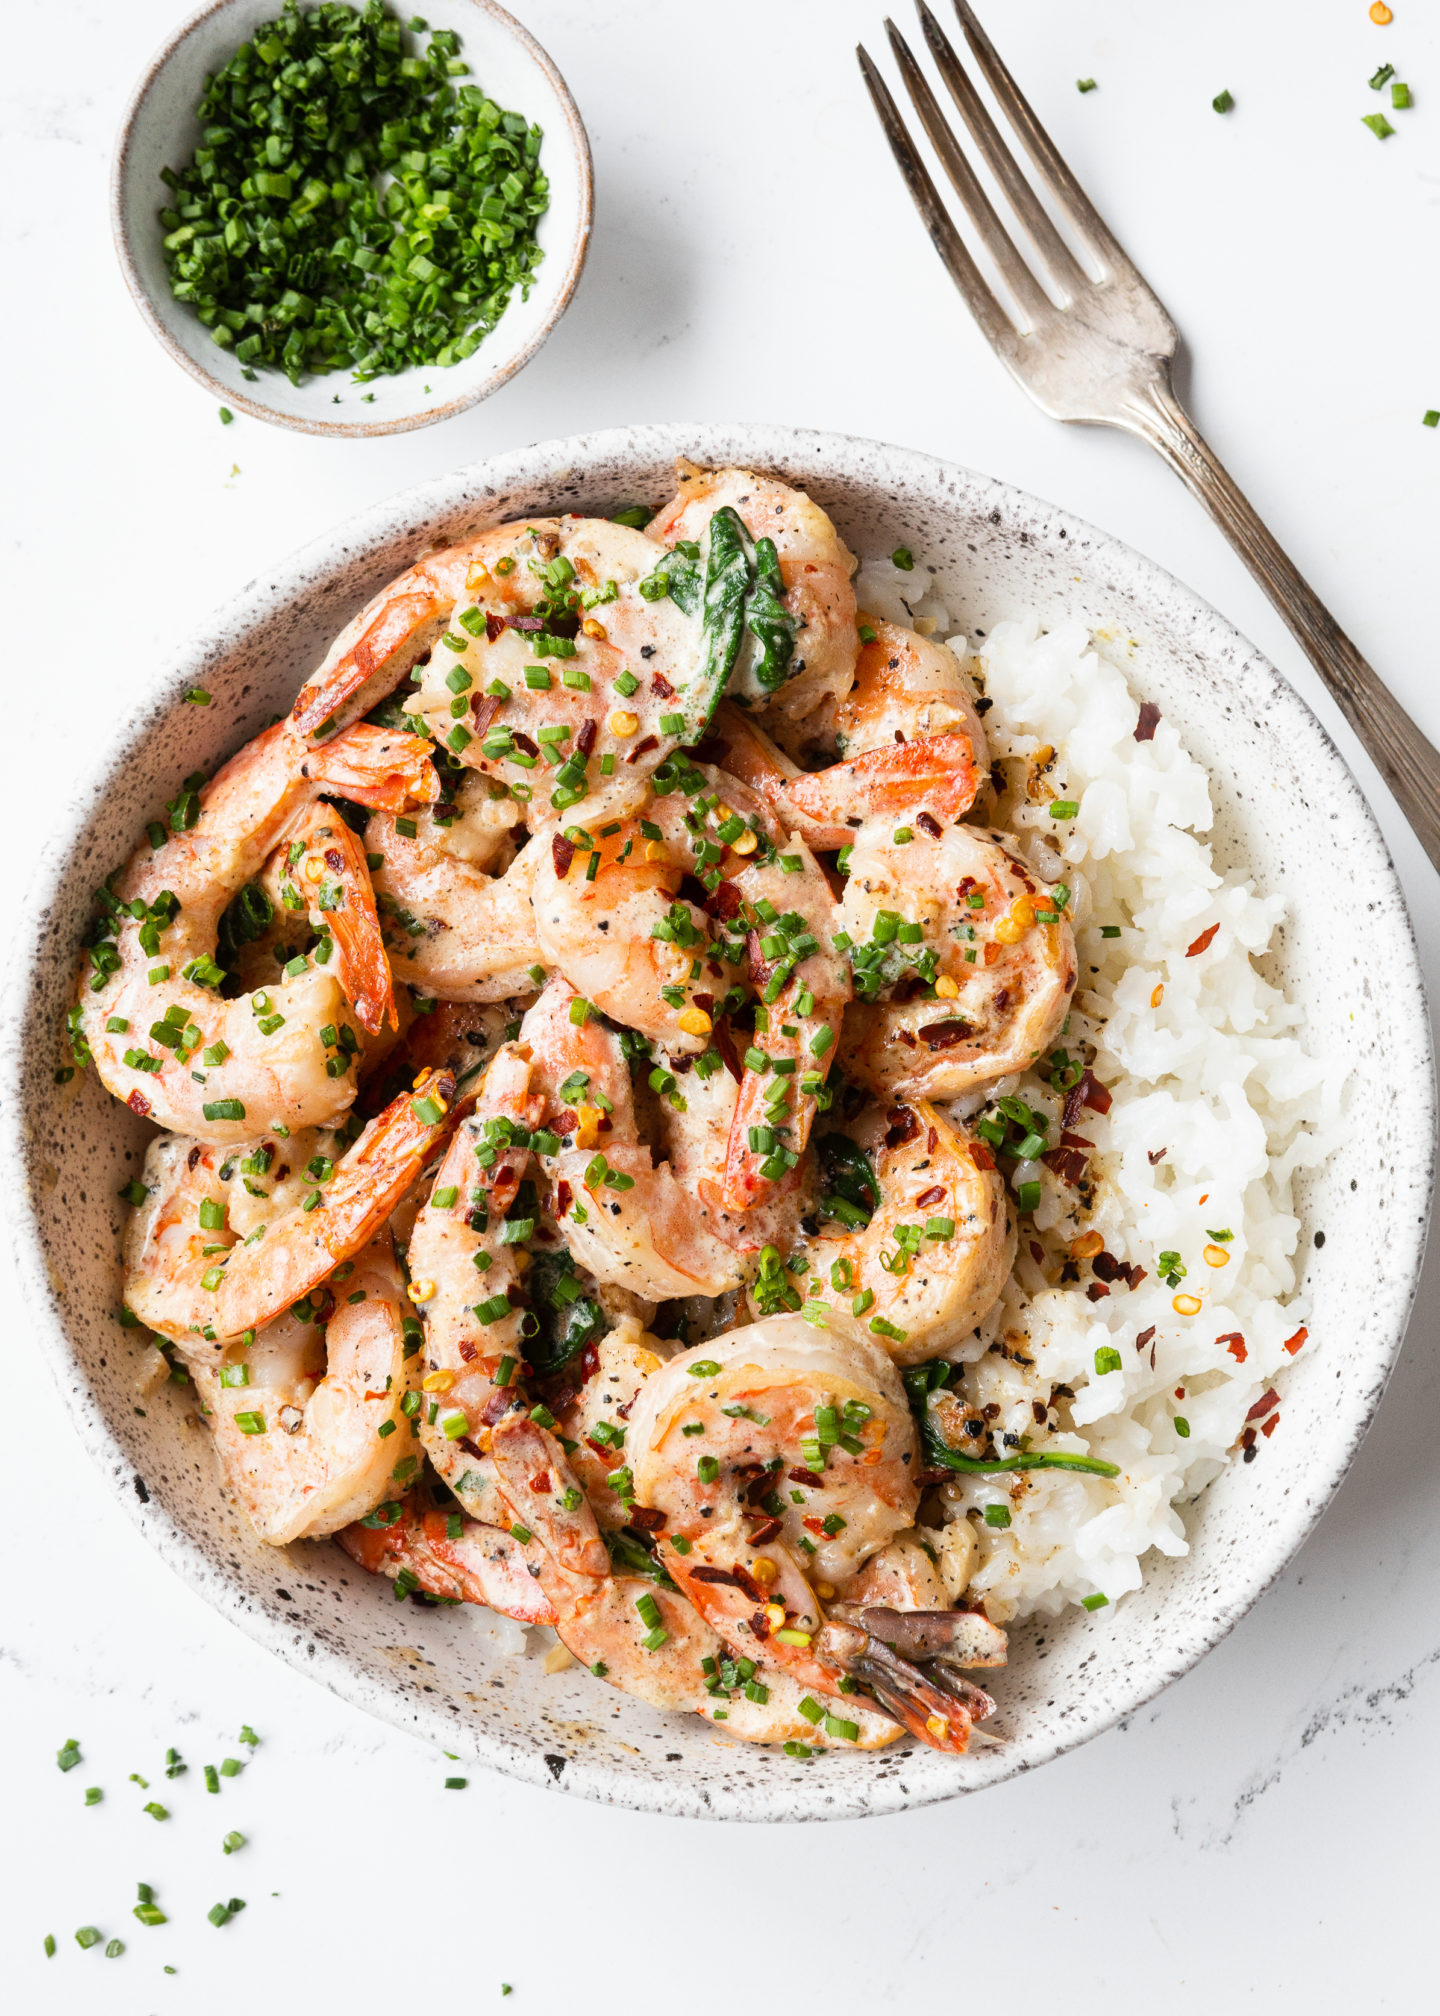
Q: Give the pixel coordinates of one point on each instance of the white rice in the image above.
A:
(1212, 1071)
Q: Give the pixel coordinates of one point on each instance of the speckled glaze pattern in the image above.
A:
(1286, 804)
(159, 129)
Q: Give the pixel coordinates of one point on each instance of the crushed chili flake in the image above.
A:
(1268, 1399)
(1202, 941)
(1234, 1342)
(562, 852)
(980, 1155)
(1148, 722)
(1155, 1155)
(494, 626)
(945, 1035)
(1144, 1338)
(1269, 1427)
(1292, 1344)
(931, 1196)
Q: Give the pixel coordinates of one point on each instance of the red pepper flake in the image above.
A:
(484, 707)
(766, 1531)
(1269, 1427)
(902, 1126)
(468, 1350)
(1234, 1342)
(138, 1103)
(585, 740)
(564, 1198)
(722, 1578)
(724, 901)
(562, 852)
(1144, 1338)
(759, 1623)
(929, 1197)
(1292, 1344)
(1037, 1254)
(660, 686)
(641, 1517)
(814, 1526)
(1066, 1163)
(945, 1035)
(643, 748)
(1089, 1092)
(1268, 1399)
(1149, 721)
(1202, 941)
(807, 1477)
(522, 741)
(540, 1482)
(1156, 1155)
(1096, 1292)
(494, 625)
(927, 823)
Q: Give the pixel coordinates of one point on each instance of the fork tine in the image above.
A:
(1001, 162)
(943, 235)
(1033, 302)
(1039, 146)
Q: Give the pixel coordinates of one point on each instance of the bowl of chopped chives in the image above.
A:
(350, 220)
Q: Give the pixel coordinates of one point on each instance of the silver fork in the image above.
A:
(1105, 356)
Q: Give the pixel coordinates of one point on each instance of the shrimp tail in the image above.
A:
(337, 877)
(933, 1703)
(373, 663)
(937, 775)
(383, 769)
(959, 1637)
(260, 1281)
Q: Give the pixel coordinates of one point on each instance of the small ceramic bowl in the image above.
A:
(1285, 807)
(160, 130)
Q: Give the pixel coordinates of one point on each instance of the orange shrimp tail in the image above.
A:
(361, 964)
(262, 1281)
(383, 769)
(402, 631)
(937, 775)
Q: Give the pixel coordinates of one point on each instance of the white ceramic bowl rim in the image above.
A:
(254, 406)
(892, 1781)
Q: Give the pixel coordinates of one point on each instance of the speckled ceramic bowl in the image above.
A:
(159, 130)
(1286, 805)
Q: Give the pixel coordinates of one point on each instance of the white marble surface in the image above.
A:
(1263, 1834)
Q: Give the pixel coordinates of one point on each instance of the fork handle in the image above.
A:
(1406, 760)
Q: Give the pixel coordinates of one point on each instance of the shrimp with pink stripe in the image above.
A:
(712, 1438)
(149, 1008)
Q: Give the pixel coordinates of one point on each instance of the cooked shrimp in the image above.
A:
(712, 1436)
(610, 916)
(935, 776)
(786, 908)
(314, 1426)
(814, 570)
(625, 1219)
(677, 1662)
(694, 1122)
(533, 636)
(907, 688)
(593, 1414)
(162, 1037)
(466, 1274)
(191, 1275)
(320, 874)
(935, 1256)
(457, 915)
(964, 963)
